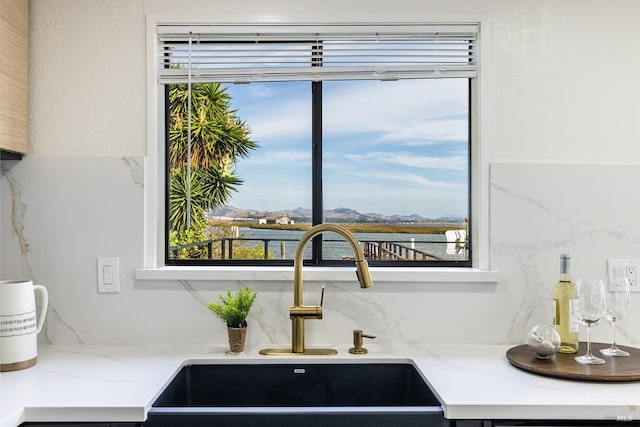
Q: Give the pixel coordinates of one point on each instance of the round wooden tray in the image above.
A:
(561, 365)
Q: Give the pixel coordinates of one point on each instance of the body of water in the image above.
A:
(336, 248)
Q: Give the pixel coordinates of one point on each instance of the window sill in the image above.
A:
(322, 274)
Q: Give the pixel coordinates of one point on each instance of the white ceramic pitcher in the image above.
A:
(19, 324)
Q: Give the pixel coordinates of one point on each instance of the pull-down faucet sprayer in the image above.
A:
(299, 312)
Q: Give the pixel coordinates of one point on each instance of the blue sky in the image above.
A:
(396, 147)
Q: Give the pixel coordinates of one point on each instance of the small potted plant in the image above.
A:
(233, 310)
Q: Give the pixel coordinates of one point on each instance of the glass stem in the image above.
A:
(589, 340)
(613, 324)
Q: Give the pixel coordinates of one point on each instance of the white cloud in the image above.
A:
(399, 115)
(257, 92)
(416, 110)
(281, 121)
(404, 177)
(391, 108)
(427, 131)
(285, 158)
(399, 194)
(456, 162)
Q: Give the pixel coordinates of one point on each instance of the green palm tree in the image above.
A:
(218, 139)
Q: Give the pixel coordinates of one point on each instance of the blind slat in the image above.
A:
(292, 32)
(274, 53)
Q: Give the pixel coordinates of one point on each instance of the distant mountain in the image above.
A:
(345, 215)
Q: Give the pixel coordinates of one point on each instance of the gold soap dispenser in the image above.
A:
(357, 348)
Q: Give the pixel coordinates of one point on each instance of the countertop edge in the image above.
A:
(14, 419)
(85, 383)
(86, 414)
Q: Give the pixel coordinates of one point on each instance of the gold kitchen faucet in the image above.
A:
(298, 312)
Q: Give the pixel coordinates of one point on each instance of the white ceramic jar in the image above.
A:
(19, 324)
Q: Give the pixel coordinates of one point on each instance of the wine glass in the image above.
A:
(618, 305)
(589, 306)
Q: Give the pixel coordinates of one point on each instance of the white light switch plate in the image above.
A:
(108, 275)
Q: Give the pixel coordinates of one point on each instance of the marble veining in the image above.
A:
(370, 314)
(137, 170)
(194, 293)
(60, 214)
(58, 321)
(534, 293)
(538, 221)
(18, 212)
(271, 313)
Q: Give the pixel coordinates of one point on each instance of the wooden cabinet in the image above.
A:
(14, 71)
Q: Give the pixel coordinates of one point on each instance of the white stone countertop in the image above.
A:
(120, 383)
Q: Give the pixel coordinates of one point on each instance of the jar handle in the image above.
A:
(43, 307)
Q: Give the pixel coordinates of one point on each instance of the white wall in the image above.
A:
(563, 82)
(560, 73)
(547, 103)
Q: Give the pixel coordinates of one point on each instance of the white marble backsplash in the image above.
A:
(60, 214)
(539, 211)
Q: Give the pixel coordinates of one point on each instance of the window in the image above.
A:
(364, 126)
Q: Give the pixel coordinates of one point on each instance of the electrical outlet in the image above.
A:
(624, 268)
(631, 274)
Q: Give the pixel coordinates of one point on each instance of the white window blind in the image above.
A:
(241, 54)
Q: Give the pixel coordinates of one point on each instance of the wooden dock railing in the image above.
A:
(373, 250)
(391, 251)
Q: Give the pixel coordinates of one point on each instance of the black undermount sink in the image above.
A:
(288, 394)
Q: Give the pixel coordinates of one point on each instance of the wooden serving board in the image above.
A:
(561, 365)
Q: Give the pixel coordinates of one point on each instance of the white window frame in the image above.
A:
(154, 199)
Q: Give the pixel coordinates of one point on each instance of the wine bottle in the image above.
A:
(564, 321)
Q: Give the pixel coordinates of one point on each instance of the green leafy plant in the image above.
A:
(218, 139)
(246, 252)
(234, 308)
